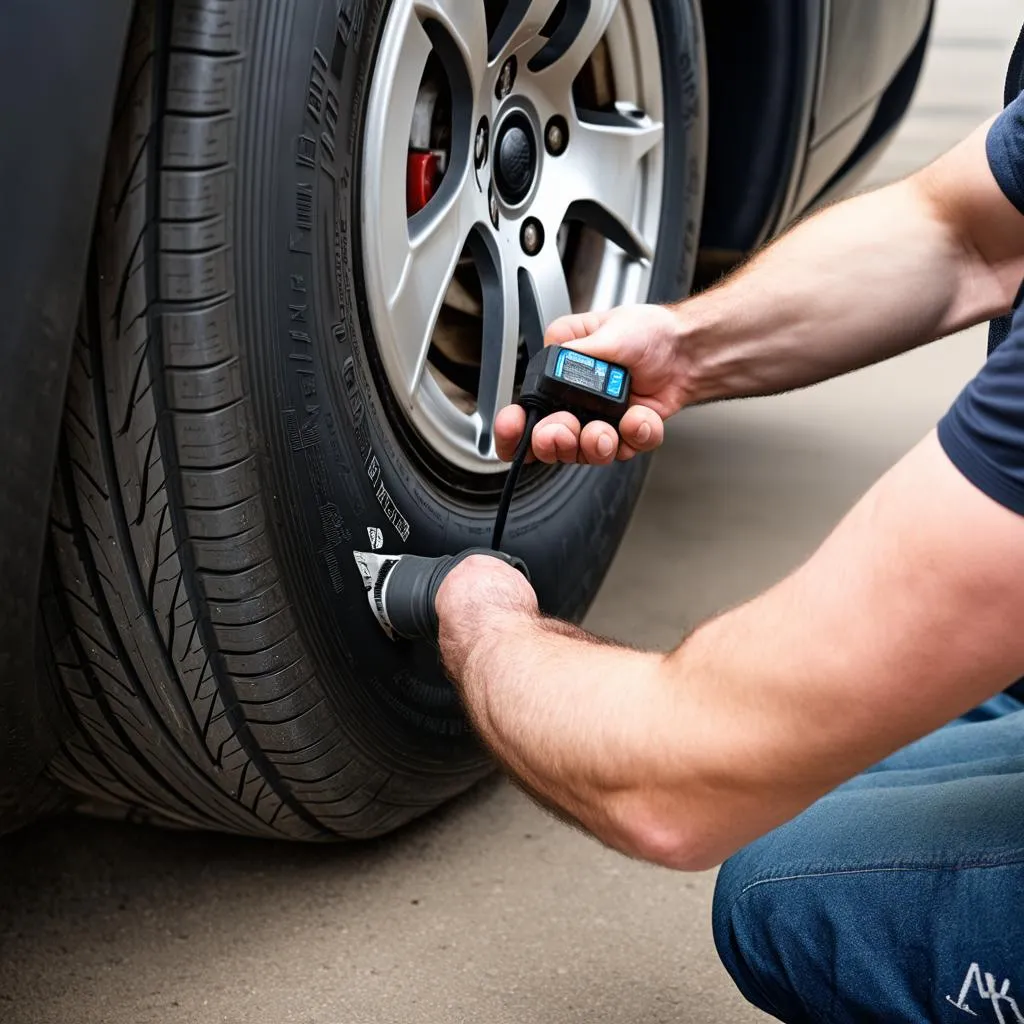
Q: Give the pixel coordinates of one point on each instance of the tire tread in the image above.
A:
(194, 697)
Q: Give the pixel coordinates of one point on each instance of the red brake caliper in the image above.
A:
(421, 181)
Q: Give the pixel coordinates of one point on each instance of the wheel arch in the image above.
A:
(761, 95)
(777, 146)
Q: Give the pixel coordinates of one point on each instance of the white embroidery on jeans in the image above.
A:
(1000, 997)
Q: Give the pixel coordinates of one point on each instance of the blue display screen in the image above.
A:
(587, 372)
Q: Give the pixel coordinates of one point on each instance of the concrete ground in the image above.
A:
(489, 911)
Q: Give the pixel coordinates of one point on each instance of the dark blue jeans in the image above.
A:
(898, 897)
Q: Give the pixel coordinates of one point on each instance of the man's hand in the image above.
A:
(644, 339)
(479, 595)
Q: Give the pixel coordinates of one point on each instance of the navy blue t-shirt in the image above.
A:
(983, 433)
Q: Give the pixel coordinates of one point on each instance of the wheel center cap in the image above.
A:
(516, 159)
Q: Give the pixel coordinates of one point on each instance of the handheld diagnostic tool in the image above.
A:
(560, 379)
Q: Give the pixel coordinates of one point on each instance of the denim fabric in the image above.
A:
(899, 896)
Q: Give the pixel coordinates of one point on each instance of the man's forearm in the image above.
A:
(567, 714)
(658, 756)
(662, 757)
(860, 282)
(857, 283)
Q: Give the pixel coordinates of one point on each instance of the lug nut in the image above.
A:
(480, 144)
(492, 206)
(506, 78)
(556, 137)
(532, 238)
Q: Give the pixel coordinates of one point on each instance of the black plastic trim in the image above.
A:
(762, 77)
(59, 66)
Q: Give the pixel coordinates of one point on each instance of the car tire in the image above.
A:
(230, 438)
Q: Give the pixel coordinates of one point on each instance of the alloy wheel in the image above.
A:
(512, 172)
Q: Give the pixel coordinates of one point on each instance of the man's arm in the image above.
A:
(862, 281)
(907, 616)
(857, 283)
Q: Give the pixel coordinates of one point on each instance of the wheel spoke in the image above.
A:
(543, 294)
(465, 21)
(417, 276)
(521, 23)
(388, 138)
(575, 39)
(500, 349)
(406, 50)
(605, 156)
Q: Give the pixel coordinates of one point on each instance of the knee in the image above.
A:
(762, 935)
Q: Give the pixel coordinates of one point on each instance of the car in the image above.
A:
(270, 267)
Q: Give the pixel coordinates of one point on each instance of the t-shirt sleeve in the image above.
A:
(983, 433)
(1005, 147)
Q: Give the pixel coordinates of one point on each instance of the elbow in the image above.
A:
(987, 264)
(660, 837)
(677, 853)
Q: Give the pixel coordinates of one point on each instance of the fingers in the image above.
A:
(642, 429)
(557, 438)
(599, 444)
(568, 329)
(509, 425)
(560, 439)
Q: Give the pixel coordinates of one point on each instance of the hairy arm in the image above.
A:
(861, 281)
(858, 282)
(907, 616)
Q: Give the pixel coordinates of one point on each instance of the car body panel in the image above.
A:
(887, 111)
(863, 91)
(865, 43)
(762, 89)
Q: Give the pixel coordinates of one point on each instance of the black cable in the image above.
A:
(532, 416)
